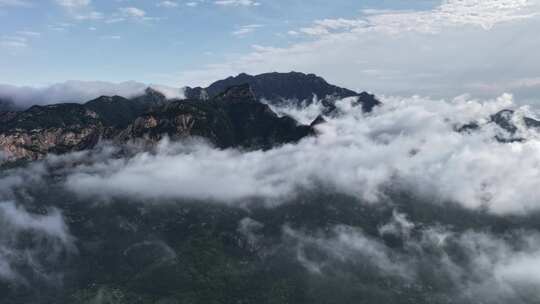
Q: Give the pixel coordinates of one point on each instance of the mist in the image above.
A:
(380, 204)
(21, 97)
(407, 143)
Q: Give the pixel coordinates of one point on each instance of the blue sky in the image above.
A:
(141, 39)
(429, 47)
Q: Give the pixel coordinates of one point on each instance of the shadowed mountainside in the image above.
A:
(232, 119)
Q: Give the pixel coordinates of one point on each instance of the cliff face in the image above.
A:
(231, 119)
(40, 130)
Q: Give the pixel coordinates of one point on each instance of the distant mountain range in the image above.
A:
(233, 112)
(229, 113)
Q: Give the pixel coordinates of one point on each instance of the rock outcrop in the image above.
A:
(40, 130)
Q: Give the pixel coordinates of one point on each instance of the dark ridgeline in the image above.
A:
(229, 113)
(233, 118)
(278, 88)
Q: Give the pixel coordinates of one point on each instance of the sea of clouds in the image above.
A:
(407, 143)
(411, 143)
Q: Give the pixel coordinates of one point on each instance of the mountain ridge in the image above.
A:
(229, 115)
(292, 88)
(233, 119)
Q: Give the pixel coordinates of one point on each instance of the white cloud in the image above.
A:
(13, 42)
(29, 33)
(80, 10)
(168, 4)
(114, 20)
(133, 12)
(324, 27)
(61, 27)
(246, 29)
(409, 143)
(92, 15)
(482, 13)
(73, 3)
(6, 3)
(21, 40)
(237, 3)
(441, 52)
(111, 37)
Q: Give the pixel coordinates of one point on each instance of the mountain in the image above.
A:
(61, 128)
(232, 119)
(117, 111)
(508, 122)
(279, 88)
(229, 113)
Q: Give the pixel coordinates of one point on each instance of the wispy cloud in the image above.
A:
(132, 12)
(429, 43)
(92, 15)
(237, 3)
(14, 42)
(246, 29)
(482, 13)
(167, 4)
(80, 10)
(29, 33)
(20, 3)
(20, 40)
(74, 3)
(112, 37)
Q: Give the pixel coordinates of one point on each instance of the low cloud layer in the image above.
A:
(407, 143)
(483, 248)
(78, 92)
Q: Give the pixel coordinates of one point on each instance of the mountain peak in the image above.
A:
(277, 87)
(153, 92)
